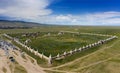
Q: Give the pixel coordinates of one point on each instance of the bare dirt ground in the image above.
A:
(30, 67)
(4, 63)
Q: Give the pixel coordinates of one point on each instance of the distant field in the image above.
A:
(92, 29)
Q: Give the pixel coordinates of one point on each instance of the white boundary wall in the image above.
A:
(71, 52)
(65, 54)
(28, 48)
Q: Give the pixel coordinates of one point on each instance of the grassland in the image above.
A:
(104, 60)
(100, 59)
(19, 69)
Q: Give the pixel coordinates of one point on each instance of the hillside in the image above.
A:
(4, 24)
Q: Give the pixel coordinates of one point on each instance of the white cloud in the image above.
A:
(104, 18)
(37, 11)
(57, 19)
(63, 17)
(26, 9)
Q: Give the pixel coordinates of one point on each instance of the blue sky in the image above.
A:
(85, 6)
(64, 12)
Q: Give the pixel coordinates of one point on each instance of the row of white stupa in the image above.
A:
(50, 58)
(83, 48)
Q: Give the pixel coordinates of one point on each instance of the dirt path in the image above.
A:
(102, 61)
(60, 71)
(4, 63)
(73, 71)
(27, 64)
(92, 64)
(30, 67)
(86, 55)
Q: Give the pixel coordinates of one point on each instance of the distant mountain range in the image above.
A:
(6, 24)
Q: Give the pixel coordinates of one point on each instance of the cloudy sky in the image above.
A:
(64, 12)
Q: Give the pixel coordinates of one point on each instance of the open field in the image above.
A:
(100, 59)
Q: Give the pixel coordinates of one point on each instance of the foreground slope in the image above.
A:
(22, 64)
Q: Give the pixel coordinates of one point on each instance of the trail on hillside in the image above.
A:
(89, 65)
(69, 63)
(96, 63)
(4, 63)
(28, 65)
(6, 66)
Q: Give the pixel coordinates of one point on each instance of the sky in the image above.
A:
(62, 12)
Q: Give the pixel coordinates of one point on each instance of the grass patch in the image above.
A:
(47, 71)
(19, 69)
(4, 69)
(32, 61)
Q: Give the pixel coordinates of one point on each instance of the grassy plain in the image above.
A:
(102, 59)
